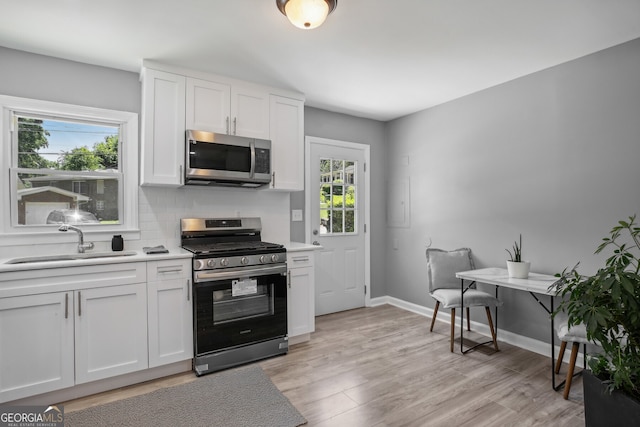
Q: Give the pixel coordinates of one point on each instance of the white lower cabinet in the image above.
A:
(36, 342)
(110, 331)
(300, 294)
(63, 327)
(170, 311)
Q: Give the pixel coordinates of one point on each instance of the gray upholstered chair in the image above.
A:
(444, 287)
(576, 334)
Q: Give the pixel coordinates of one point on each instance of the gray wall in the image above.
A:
(553, 155)
(326, 124)
(46, 78)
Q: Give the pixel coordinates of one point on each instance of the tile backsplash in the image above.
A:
(160, 210)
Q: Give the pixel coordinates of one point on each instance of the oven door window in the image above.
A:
(245, 299)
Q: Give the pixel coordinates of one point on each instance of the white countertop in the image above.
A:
(297, 246)
(138, 256)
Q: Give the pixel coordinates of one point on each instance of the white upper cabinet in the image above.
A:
(175, 99)
(287, 143)
(223, 108)
(250, 112)
(208, 106)
(163, 128)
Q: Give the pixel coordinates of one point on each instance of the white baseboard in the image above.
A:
(526, 343)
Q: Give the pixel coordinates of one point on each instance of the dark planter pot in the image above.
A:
(607, 410)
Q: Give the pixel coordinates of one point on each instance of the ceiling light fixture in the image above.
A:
(306, 14)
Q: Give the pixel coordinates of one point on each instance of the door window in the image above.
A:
(338, 195)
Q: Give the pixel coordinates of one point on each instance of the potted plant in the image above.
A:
(608, 304)
(516, 267)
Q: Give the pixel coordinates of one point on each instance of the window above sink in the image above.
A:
(65, 162)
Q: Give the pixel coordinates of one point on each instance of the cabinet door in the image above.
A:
(163, 128)
(111, 331)
(287, 143)
(301, 293)
(208, 106)
(170, 312)
(249, 112)
(36, 344)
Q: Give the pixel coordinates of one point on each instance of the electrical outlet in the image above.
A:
(296, 215)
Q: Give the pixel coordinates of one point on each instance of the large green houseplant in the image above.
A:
(608, 303)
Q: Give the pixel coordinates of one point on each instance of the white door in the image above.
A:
(337, 212)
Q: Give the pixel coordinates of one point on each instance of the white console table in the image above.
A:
(535, 284)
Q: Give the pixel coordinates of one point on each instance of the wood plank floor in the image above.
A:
(381, 367)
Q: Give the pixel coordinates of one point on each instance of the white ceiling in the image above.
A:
(372, 58)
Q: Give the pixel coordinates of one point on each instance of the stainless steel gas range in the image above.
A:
(240, 292)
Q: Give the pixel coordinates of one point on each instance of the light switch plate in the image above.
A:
(296, 215)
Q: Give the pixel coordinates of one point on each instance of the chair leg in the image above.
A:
(493, 332)
(453, 328)
(563, 347)
(468, 320)
(435, 313)
(572, 364)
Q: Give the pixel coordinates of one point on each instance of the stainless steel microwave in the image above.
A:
(228, 160)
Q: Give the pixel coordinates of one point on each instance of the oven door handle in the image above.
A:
(238, 273)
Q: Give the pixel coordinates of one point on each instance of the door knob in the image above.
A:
(315, 232)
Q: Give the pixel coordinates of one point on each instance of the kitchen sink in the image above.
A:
(69, 257)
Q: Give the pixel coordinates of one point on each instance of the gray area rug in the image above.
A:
(238, 397)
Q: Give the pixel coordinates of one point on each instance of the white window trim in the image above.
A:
(9, 235)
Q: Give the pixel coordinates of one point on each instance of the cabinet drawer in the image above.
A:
(168, 269)
(299, 259)
(28, 282)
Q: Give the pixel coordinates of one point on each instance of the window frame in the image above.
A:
(128, 139)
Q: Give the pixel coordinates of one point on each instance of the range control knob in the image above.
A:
(197, 264)
(263, 259)
(224, 262)
(244, 260)
(211, 263)
(274, 258)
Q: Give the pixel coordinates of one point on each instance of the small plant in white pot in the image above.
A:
(517, 268)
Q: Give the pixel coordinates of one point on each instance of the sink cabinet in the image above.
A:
(110, 331)
(63, 327)
(300, 295)
(170, 311)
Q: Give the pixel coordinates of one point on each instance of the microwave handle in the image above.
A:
(253, 159)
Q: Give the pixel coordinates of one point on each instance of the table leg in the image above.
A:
(462, 350)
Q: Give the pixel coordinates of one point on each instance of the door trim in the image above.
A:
(308, 140)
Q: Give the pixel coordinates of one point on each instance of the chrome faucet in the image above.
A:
(81, 244)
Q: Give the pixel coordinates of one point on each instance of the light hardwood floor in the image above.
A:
(381, 367)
